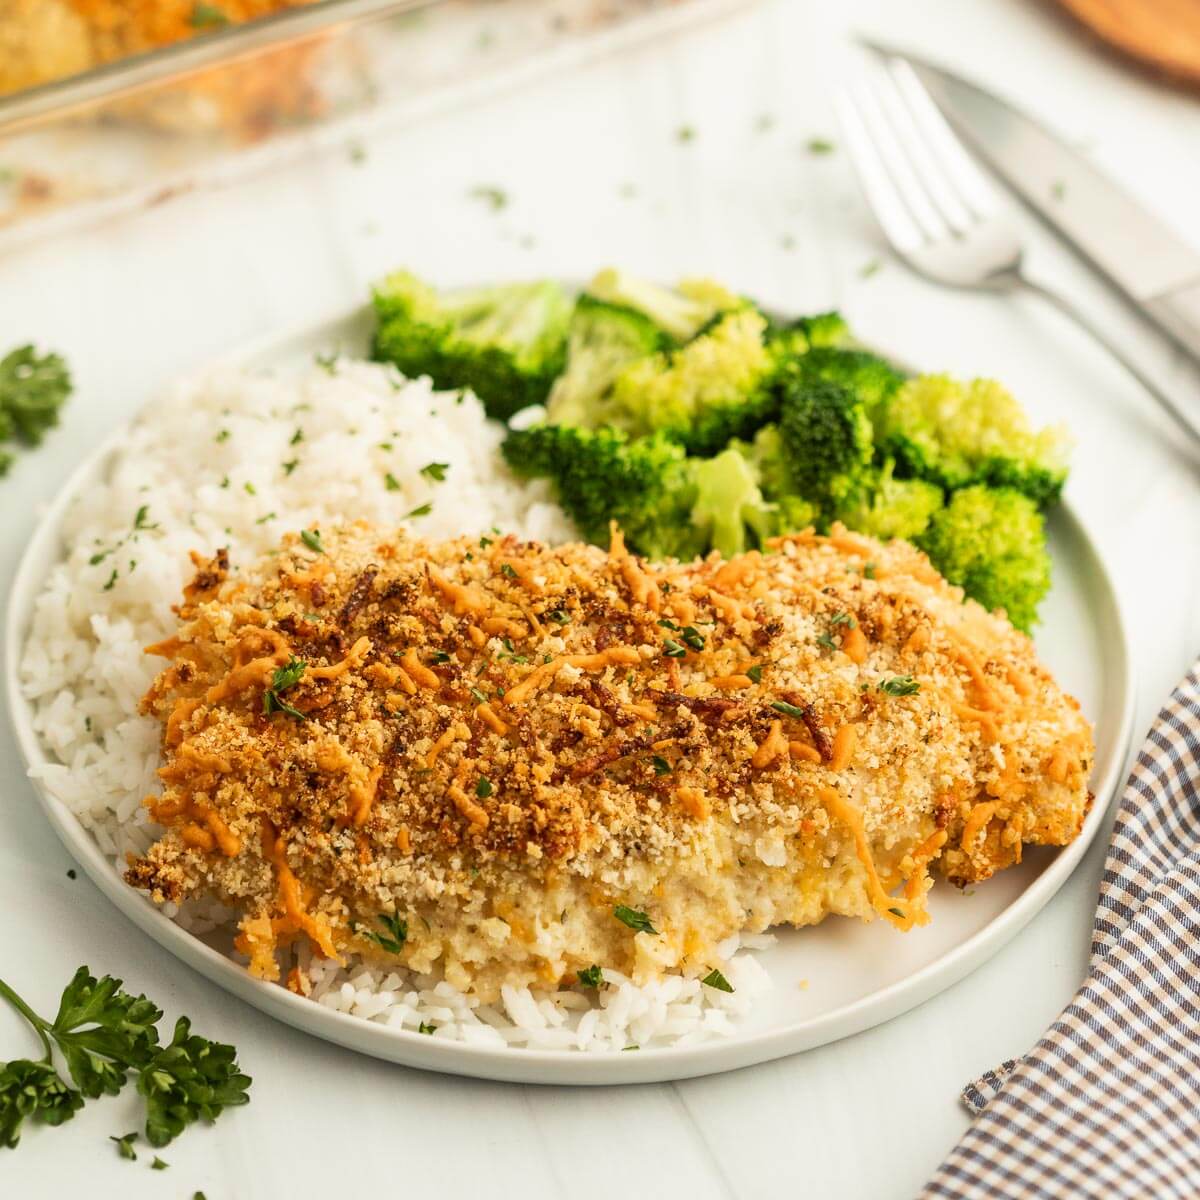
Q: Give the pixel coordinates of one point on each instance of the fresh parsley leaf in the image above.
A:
(825, 640)
(394, 935)
(496, 198)
(869, 570)
(393, 484)
(34, 1090)
(327, 362)
(207, 16)
(125, 1145)
(159, 1164)
(312, 539)
(439, 656)
(559, 617)
(667, 623)
(661, 766)
(590, 977)
(899, 685)
(637, 921)
(296, 438)
(222, 436)
(714, 979)
(426, 1028)
(483, 787)
(251, 490)
(508, 571)
(189, 1080)
(896, 912)
(755, 673)
(685, 134)
(788, 710)
(479, 696)
(820, 145)
(869, 268)
(435, 471)
(842, 618)
(422, 510)
(672, 649)
(33, 390)
(284, 677)
(693, 637)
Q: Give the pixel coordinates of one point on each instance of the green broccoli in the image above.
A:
(681, 313)
(956, 434)
(601, 475)
(603, 339)
(768, 458)
(794, 338)
(506, 343)
(992, 543)
(872, 378)
(886, 507)
(702, 393)
(827, 440)
(729, 511)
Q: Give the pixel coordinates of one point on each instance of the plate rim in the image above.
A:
(511, 1064)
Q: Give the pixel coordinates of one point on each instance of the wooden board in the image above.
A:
(1164, 35)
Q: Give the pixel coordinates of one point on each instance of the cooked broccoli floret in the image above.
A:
(729, 511)
(767, 456)
(992, 543)
(703, 393)
(826, 436)
(872, 378)
(886, 507)
(603, 339)
(956, 434)
(679, 312)
(644, 484)
(794, 338)
(507, 343)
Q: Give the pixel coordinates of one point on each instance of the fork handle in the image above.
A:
(1068, 308)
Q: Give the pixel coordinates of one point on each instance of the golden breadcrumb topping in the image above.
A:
(516, 761)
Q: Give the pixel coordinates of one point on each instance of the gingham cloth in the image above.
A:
(1107, 1104)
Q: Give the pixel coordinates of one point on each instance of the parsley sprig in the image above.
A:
(103, 1034)
(284, 677)
(33, 388)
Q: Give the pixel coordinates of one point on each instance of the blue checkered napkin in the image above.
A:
(1107, 1104)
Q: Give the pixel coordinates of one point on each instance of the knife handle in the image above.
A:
(1178, 312)
(1184, 419)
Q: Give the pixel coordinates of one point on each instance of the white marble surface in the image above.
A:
(139, 299)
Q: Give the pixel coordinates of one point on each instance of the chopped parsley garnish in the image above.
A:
(435, 471)
(327, 362)
(842, 618)
(284, 677)
(483, 787)
(139, 519)
(223, 436)
(264, 519)
(672, 649)
(206, 16)
(693, 637)
(899, 685)
(869, 570)
(660, 764)
(439, 656)
(754, 674)
(159, 1164)
(422, 510)
(296, 438)
(312, 539)
(484, 542)
(479, 697)
(290, 465)
(104, 1034)
(32, 391)
(559, 617)
(714, 979)
(393, 936)
(125, 1145)
(685, 134)
(496, 198)
(788, 710)
(637, 921)
(424, 1027)
(251, 490)
(590, 977)
(667, 623)
(820, 145)
(826, 641)
(393, 484)
(869, 268)
(508, 571)
(224, 481)
(112, 579)
(896, 912)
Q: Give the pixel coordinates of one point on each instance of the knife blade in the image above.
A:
(1155, 268)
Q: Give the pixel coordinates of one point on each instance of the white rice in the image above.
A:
(235, 459)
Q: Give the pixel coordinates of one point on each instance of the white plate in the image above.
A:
(857, 975)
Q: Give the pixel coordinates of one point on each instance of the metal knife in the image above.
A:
(1148, 262)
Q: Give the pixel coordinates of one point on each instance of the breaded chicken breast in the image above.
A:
(511, 762)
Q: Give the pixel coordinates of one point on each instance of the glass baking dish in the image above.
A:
(233, 98)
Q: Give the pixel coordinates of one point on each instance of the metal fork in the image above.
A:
(935, 206)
